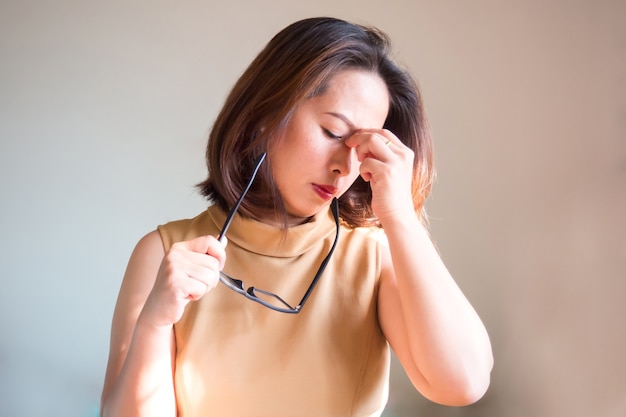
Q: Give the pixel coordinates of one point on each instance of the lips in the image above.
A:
(325, 191)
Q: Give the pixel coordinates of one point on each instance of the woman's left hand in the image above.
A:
(387, 164)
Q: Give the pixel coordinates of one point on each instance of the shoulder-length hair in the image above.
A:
(296, 65)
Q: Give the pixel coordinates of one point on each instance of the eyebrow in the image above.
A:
(343, 118)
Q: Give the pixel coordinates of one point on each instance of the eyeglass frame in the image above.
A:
(250, 293)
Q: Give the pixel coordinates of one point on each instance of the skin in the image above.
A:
(312, 155)
(330, 140)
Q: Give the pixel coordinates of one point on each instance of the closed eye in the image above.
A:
(331, 135)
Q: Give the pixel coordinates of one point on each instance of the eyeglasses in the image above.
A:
(266, 298)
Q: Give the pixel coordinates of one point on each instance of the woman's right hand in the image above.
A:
(189, 270)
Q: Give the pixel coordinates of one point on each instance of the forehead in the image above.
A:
(359, 96)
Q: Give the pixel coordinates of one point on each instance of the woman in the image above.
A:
(291, 308)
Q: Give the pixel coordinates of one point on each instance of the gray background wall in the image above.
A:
(104, 111)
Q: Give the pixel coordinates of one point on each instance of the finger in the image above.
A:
(374, 170)
(200, 262)
(190, 274)
(196, 289)
(384, 140)
(205, 245)
(370, 143)
(200, 244)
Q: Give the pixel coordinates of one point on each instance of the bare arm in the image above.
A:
(139, 372)
(155, 290)
(433, 329)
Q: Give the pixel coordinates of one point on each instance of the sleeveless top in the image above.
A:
(236, 357)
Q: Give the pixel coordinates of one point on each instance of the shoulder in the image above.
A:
(146, 257)
(366, 235)
(367, 245)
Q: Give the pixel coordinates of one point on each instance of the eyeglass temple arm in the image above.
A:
(229, 219)
(334, 208)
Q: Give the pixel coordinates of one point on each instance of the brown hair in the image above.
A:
(297, 64)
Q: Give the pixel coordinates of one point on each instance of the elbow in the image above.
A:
(460, 394)
(472, 391)
(474, 388)
(463, 388)
(472, 383)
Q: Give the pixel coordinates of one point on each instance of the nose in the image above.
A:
(343, 159)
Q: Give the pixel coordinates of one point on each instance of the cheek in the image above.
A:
(297, 145)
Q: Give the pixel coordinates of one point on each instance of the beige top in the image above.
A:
(236, 357)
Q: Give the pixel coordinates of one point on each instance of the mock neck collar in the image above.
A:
(268, 240)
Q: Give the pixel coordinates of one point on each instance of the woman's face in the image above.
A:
(311, 164)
